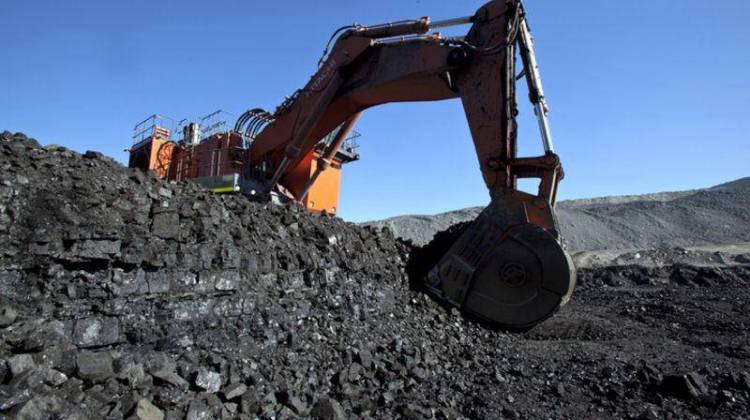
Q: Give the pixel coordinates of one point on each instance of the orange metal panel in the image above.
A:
(296, 179)
(153, 155)
(182, 166)
(162, 152)
(324, 194)
(220, 154)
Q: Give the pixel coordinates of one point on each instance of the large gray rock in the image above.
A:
(234, 391)
(170, 377)
(129, 283)
(96, 331)
(145, 410)
(328, 409)
(166, 225)
(13, 397)
(198, 410)
(21, 363)
(94, 366)
(98, 248)
(208, 380)
(8, 315)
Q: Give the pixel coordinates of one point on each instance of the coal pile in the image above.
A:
(125, 297)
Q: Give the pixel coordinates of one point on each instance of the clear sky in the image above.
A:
(646, 96)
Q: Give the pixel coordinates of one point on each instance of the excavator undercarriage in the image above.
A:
(509, 266)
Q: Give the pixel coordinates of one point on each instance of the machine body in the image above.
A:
(509, 267)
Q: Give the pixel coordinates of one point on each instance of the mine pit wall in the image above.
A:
(107, 307)
(139, 290)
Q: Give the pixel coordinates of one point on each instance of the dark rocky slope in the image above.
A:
(125, 297)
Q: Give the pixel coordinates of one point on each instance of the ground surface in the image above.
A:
(121, 296)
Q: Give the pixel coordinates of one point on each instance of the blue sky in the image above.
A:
(645, 96)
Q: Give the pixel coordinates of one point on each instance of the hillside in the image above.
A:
(716, 215)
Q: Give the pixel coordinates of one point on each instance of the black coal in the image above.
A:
(121, 295)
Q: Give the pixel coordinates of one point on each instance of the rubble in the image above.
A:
(94, 366)
(328, 409)
(234, 391)
(8, 316)
(96, 332)
(688, 386)
(20, 363)
(145, 410)
(125, 297)
(208, 380)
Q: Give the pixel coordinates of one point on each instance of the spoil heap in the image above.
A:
(122, 296)
(705, 217)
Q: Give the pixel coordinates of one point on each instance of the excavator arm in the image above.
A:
(508, 267)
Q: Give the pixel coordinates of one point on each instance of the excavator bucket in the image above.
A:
(504, 269)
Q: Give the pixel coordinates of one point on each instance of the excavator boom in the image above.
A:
(508, 267)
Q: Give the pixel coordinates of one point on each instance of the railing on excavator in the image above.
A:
(217, 161)
(350, 147)
(215, 122)
(156, 126)
(168, 128)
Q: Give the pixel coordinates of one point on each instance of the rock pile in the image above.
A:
(122, 293)
(125, 297)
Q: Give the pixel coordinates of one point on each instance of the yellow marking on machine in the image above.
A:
(229, 189)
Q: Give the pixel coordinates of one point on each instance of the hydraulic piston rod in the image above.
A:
(408, 27)
(534, 80)
(293, 149)
(405, 27)
(451, 22)
(325, 160)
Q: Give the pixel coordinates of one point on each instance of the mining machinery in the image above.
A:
(508, 267)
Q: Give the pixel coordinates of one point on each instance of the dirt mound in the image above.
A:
(132, 288)
(125, 297)
(715, 216)
(712, 216)
(707, 256)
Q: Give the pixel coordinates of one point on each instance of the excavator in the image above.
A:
(509, 267)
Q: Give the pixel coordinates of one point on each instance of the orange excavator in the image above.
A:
(509, 266)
